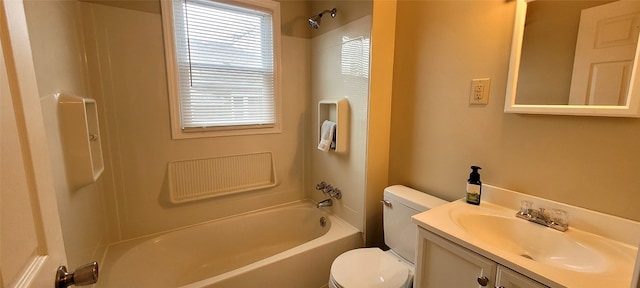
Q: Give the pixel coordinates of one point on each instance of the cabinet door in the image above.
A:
(507, 278)
(441, 263)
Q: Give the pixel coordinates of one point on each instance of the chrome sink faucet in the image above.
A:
(558, 219)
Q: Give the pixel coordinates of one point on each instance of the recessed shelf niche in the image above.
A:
(80, 137)
(338, 112)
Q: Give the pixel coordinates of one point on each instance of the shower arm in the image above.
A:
(314, 21)
(332, 11)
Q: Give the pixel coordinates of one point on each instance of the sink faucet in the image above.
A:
(539, 216)
(558, 219)
(325, 203)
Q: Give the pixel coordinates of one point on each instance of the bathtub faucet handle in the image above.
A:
(327, 189)
(321, 185)
(335, 193)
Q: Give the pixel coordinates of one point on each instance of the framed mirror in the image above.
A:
(575, 58)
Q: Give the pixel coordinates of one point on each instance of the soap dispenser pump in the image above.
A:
(474, 186)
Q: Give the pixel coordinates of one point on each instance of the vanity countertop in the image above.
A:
(598, 250)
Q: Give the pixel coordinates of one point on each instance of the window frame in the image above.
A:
(177, 132)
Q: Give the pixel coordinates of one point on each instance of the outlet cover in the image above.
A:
(480, 89)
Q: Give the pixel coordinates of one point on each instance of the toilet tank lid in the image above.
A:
(412, 198)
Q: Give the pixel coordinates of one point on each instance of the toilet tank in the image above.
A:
(400, 234)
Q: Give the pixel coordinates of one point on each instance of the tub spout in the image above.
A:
(325, 203)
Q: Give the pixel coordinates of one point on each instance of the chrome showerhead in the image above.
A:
(314, 21)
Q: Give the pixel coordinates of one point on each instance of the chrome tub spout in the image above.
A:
(325, 203)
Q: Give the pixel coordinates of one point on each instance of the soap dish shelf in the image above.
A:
(80, 137)
(338, 112)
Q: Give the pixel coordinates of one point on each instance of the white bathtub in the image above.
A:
(283, 246)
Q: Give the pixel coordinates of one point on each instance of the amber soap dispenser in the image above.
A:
(474, 186)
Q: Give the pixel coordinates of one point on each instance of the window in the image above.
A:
(222, 64)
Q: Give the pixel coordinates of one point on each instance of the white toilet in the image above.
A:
(372, 267)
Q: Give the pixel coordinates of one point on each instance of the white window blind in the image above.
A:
(225, 63)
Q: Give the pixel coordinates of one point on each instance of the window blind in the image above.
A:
(225, 64)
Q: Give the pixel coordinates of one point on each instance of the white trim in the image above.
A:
(172, 80)
(632, 109)
(22, 85)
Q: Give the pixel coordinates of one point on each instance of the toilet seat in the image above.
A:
(370, 267)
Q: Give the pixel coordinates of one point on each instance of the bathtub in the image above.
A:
(284, 246)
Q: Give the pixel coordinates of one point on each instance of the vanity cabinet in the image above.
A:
(442, 263)
(507, 278)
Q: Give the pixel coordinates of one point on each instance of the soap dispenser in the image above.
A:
(474, 186)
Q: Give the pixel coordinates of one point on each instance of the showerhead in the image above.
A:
(314, 21)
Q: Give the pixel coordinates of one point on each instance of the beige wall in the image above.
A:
(56, 42)
(294, 18)
(292, 13)
(347, 11)
(383, 31)
(591, 162)
(128, 74)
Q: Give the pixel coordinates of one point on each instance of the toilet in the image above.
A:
(373, 267)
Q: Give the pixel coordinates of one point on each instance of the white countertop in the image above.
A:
(609, 235)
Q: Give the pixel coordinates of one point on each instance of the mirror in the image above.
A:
(575, 58)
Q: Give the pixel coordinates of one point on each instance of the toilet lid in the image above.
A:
(369, 267)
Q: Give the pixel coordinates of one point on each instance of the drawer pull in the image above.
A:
(483, 281)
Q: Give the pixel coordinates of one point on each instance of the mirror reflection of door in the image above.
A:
(605, 52)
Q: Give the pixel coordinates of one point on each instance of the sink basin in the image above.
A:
(535, 242)
(598, 250)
